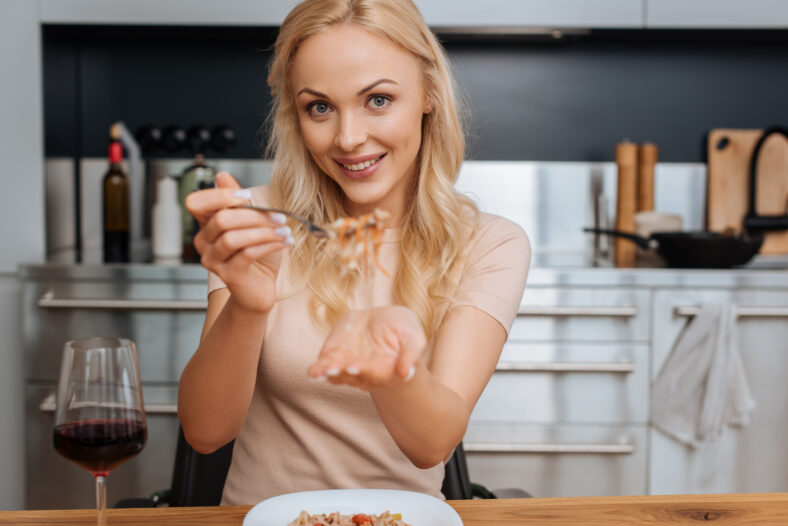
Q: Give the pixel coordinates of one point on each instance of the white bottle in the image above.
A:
(166, 219)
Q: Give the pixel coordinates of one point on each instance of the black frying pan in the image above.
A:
(698, 249)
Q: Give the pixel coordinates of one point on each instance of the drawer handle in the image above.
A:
(47, 405)
(601, 312)
(49, 301)
(566, 367)
(741, 312)
(604, 449)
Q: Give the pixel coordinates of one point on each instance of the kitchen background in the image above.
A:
(552, 87)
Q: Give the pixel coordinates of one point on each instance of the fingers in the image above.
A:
(229, 228)
(236, 249)
(225, 180)
(412, 346)
(203, 204)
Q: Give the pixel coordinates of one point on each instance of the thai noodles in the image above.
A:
(359, 519)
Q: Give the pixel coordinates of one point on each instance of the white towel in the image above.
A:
(703, 386)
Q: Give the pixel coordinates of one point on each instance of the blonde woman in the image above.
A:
(325, 378)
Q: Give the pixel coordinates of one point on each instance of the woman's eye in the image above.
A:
(379, 101)
(318, 108)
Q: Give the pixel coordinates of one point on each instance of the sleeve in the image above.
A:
(260, 197)
(496, 269)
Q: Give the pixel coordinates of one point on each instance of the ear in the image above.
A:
(427, 105)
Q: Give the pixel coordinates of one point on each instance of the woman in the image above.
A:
(324, 378)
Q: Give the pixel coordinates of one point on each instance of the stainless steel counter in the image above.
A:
(570, 269)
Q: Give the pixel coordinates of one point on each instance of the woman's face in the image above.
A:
(360, 104)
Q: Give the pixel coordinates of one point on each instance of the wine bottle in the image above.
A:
(116, 208)
(196, 177)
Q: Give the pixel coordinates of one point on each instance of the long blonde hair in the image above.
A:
(437, 222)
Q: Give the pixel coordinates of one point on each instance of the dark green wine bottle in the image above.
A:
(116, 208)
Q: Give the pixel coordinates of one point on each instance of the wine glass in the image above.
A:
(100, 416)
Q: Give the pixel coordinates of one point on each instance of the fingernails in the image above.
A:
(411, 372)
(276, 217)
(352, 370)
(243, 194)
(321, 379)
(332, 372)
(283, 231)
(289, 240)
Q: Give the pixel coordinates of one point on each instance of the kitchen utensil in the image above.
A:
(99, 416)
(753, 221)
(647, 223)
(730, 153)
(310, 226)
(647, 160)
(699, 249)
(626, 161)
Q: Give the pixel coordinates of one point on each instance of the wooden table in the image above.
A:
(762, 509)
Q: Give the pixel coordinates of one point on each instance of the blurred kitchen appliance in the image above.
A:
(730, 153)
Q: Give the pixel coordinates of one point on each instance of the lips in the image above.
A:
(360, 167)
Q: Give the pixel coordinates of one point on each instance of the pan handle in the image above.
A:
(643, 242)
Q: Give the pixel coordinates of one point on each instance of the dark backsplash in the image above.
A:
(529, 99)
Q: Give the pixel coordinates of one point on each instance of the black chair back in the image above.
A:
(198, 480)
(456, 481)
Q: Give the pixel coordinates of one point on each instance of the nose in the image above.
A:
(351, 132)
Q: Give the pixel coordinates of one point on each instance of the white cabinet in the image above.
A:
(742, 460)
(437, 13)
(565, 412)
(717, 14)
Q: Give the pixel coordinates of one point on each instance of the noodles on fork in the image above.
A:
(359, 240)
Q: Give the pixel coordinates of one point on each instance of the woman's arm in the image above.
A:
(242, 248)
(217, 384)
(427, 416)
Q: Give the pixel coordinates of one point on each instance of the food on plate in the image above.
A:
(359, 519)
(360, 239)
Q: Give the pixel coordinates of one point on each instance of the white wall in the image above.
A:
(21, 220)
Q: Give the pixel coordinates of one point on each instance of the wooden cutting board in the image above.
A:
(728, 185)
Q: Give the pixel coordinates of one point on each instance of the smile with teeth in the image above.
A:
(361, 166)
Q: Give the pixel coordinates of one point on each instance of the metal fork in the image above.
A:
(312, 228)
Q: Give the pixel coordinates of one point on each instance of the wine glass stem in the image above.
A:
(101, 500)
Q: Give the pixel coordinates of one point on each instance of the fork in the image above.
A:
(312, 228)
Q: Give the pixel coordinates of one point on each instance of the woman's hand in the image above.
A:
(240, 246)
(372, 348)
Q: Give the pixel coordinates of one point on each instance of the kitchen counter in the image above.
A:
(570, 269)
(758, 508)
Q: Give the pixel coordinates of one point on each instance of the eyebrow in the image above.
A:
(360, 92)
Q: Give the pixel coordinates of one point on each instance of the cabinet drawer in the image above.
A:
(582, 314)
(558, 461)
(567, 383)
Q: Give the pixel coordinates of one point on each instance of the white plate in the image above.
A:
(417, 509)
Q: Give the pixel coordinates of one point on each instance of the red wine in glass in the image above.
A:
(100, 445)
(100, 414)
